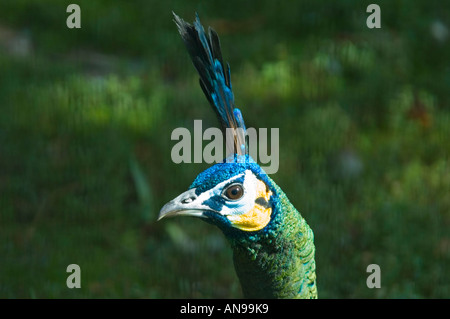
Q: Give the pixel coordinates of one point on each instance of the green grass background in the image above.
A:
(85, 122)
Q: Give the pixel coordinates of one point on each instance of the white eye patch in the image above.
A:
(245, 203)
(234, 207)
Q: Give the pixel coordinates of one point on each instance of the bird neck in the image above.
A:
(279, 261)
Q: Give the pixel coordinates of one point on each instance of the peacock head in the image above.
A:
(235, 195)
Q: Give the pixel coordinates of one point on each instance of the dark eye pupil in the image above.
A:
(235, 192)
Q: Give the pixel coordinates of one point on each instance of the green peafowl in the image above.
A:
(273, 246)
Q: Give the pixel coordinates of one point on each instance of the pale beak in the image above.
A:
(186, 204)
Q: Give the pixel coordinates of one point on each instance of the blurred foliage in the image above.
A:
(85, 123)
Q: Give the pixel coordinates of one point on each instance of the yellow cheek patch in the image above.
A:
(256, 218)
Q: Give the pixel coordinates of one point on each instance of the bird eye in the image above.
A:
(234, 192)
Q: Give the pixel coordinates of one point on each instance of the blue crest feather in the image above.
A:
(215, 78)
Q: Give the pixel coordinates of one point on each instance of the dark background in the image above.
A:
(85, 122)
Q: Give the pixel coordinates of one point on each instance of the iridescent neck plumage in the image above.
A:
(277, 263)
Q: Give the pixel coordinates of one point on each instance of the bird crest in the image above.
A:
(215, 81)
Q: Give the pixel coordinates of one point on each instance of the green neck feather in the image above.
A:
(280, 262)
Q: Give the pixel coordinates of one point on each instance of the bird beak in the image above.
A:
(186, 204)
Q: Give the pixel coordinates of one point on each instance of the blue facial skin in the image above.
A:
(224, 171)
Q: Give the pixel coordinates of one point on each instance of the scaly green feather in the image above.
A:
(280, 262)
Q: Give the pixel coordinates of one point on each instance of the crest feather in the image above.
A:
(215, 80)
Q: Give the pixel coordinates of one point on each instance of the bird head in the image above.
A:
(236, 196)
